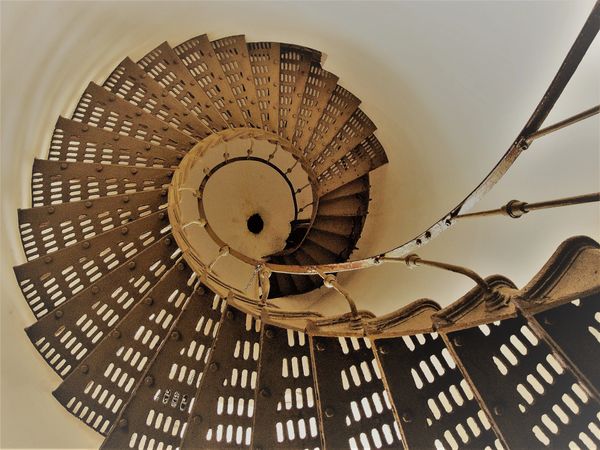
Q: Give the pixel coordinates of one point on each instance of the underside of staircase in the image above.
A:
(152, 357)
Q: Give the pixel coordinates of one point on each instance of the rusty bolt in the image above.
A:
(213, 367)
(116, 334)
(168, 241)
(269, 333)
(383, 350)
(64, 165)
(329, 412)
(84, 368)
(95, 290)
(48, 259)
(407, 417)
(85, 244)
(148, 301)
(265, 392)
(116, 137)
(88, 204)
(131, 265)
(180, 266)
(58, 314)
(126, 199)
(196, 419)
(175, 335)
(99, 169)
(161, 215)
(498, 410)
(149, 380)
(51, 210)
(134, 170)
(229, 314)
(320, 346)
(123, 423)
(85, 128)
(457, 341)
(124, 230)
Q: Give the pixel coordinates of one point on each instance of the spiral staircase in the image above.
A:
(189, 213)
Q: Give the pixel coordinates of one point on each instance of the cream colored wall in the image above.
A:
(448, 84)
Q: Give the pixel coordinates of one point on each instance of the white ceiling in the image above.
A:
(449, 85)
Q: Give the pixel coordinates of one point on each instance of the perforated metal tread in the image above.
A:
(74, 141)
(574, 328)
(319, 88)
(354, 165)
(75, 328)
(354, 405)
(433, 402)
(294, 69)
(100, 108)
(198, 56)
(232, 53)
(533, 397)
(129, 82)
(170, 72)
(355, 130)
(264, 60)
(338, 111)
(222, 416)
(56, 182)
(158, 409)
(286, 405)
(49, 281)
(105, 379)
(46, 229)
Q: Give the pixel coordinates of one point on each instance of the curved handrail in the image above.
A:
(521, 143)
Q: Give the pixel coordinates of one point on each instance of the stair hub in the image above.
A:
(234, 197)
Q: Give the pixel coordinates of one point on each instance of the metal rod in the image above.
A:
(565, 72)
(516, 208)
(223, 251)
(563, 123)
(264, 281)
(493, 298)
(330, 281)
(414, 260)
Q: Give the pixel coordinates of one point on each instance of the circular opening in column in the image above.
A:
(255, 223)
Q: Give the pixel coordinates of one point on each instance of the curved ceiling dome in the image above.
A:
(188, 215)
